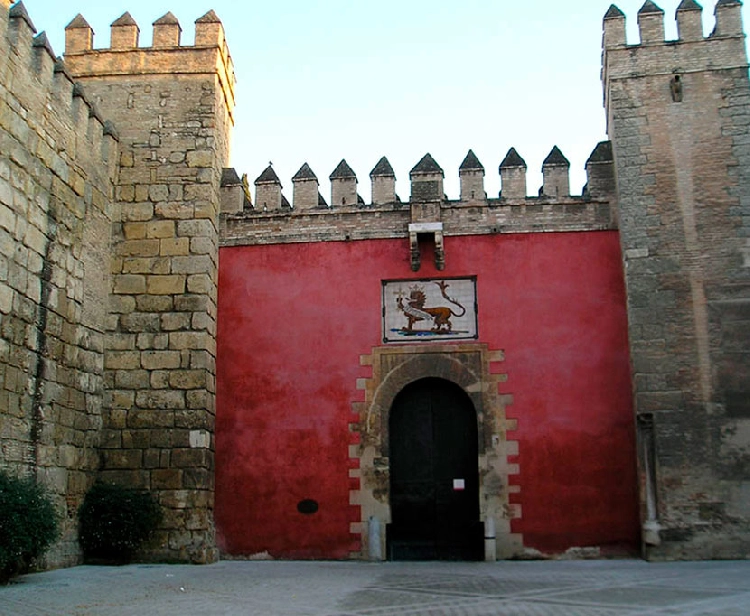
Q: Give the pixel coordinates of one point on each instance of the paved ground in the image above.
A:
(569, 588)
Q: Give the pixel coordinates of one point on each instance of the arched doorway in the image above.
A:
(434, 476)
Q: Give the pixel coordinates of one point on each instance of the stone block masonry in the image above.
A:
(57, 164)
(678, 120)
(175, 106)
(111, 165)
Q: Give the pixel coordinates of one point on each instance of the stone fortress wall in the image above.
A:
(109, 265)
(175, 105)
(112, 175)
(677, 114)
(58, 165)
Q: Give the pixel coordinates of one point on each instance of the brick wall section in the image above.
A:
(57, 163)
(175, 107)
(679, 119)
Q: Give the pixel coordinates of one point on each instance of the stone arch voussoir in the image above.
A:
(466, 365)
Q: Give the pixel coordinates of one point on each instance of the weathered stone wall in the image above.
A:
(679, 118)
(109, 251)
(57, 164)
(174, 105)
(380, 222)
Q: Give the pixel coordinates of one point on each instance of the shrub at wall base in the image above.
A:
(28, 524)
(115, 521)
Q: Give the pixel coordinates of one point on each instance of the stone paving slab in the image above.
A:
(560, 588)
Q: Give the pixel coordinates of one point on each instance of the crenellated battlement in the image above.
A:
(167, 55)
(676, 62)
(689, 18)
(270, 217)
(426, 183)
(692, 52)
(43, 84)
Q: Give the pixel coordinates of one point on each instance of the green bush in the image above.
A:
(28, 524)
(114, 521)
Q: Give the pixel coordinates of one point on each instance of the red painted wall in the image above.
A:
(294, 320)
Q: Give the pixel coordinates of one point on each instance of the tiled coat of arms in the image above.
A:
(439, 309)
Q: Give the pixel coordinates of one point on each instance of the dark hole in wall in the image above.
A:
(308, 506)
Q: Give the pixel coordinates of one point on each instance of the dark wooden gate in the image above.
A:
(434, 474)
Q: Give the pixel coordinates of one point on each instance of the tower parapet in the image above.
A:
(600, 172)
(383, 183)
(343, 185)
(427, 180)
(268, 190)
(306, 189)
(209, 55)
(124, 32)
(471, 173)
(513, 176)
(651, 23)
(728, 18)
(556, 174)
(689, 21)
(690, 54)
(167, 31)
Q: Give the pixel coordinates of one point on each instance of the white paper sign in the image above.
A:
(459, 484)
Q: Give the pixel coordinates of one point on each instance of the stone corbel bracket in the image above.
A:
(433, 229)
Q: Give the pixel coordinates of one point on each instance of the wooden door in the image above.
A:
(434, 474)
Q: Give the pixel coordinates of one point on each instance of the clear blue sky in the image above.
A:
(321, 80)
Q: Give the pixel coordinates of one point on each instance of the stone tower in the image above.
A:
(678, 114)
(174, 107)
